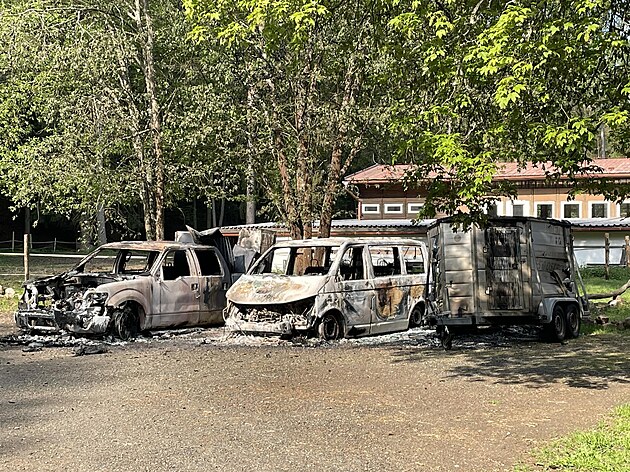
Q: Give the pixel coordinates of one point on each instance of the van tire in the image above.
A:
(126, 322)
(573, 321)
(416, 316)
(330, 327)
(556, 330)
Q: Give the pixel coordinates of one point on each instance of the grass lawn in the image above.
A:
(12, 272)
(595, 283)
(605, 448)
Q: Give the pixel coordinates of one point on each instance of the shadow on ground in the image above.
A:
(593, 362)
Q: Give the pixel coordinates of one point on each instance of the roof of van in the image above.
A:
(322, 242)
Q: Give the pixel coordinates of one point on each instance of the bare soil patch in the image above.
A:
(204, 402)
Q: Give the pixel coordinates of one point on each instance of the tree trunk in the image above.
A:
(194, 213)
(101, 230)
(250, 184)
(351, 86)
(135, 128)
(155, 123)
(221, 212)
(27, 220)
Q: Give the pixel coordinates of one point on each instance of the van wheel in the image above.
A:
(126, 322)
(330, 327)
(557, 329)
(573, 322)
(415, 318)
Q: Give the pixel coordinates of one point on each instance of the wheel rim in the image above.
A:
(573, 321)
(559, 323)
(331, 328)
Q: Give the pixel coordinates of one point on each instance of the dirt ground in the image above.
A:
(397, 403)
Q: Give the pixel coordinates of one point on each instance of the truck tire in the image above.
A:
(330, 327)
(573, 321)
(556, 330)
(126, 322)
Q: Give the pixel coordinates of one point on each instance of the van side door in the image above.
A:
(355, 290)
(214, 280)
(391, 290)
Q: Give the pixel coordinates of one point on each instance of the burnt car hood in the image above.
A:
(274, 289)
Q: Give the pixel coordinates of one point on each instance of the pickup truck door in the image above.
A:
(176, 301)
(214, 280)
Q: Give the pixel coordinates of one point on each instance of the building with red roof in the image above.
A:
(382, 192)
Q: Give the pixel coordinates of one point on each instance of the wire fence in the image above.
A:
(56, 245)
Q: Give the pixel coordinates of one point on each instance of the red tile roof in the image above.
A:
(380, 173)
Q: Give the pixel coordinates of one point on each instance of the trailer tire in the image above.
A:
(126, 322)
(573, 321)
(330, 327)
(416, 317)
(556, 330)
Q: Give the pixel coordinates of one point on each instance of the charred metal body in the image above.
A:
(128, 287)
(335, 287)
(514, 270)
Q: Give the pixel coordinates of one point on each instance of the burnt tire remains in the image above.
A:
(416, 316)
(330, 327)
(126, 322)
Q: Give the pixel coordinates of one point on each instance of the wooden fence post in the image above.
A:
(27, 269)
(607, 255)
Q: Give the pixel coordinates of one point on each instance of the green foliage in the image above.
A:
(306, 80)
(521, 81)
(73, 109)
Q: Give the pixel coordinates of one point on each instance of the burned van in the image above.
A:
(511, 270)
(333, 287)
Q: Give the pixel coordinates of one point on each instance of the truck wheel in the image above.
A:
(415, 318)
(556, 330)
(573, 322)
(126, 322)
(330, 327)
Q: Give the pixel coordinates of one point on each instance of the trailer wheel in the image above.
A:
(556, 330)
(573, 321)
(126, 322)
(330, 327)
(446, 337)
(415, 318)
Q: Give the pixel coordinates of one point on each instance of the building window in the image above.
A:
(571, 210)
(624, 210)
(370, 208)
(396, 208)
(544, 210)
(414, 207)
(518, 209)
(599, 210)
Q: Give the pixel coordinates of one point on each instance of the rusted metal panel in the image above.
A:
(503, 270)
(516, 267)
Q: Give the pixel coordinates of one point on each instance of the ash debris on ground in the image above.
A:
(413, 339)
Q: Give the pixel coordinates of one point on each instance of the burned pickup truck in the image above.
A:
(333, 287)
(127, 287)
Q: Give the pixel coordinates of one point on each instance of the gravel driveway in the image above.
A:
(385, 404)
